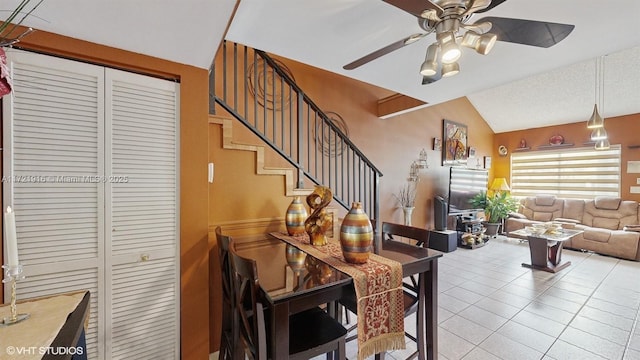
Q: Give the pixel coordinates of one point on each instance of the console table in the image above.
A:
(55, 328)
(546, 249)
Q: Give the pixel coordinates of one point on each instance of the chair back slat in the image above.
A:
(251, 322)
(229, 336)
(421, 236)
(411, 232)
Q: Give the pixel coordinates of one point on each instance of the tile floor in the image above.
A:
(490, 307)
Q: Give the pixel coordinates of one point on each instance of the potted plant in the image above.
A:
(407, 199)
(496, 207)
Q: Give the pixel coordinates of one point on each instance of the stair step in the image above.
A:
(261, 169)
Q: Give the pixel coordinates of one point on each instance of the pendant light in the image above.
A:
(596, 121)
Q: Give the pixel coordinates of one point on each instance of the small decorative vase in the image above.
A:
(356, 235)
(407, 215)
(295, 258)
(295, 217)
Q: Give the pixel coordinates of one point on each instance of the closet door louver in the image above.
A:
(141, 167)
(90, 166)
(53, 143)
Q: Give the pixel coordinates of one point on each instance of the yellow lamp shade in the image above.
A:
(500, 184)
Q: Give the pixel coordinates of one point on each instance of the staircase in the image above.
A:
(248, 85)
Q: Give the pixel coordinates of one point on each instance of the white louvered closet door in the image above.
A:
(53, 137)
(94, 152)
(143, 278)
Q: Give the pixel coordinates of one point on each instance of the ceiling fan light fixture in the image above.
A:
(430, 65)
(595, 121)
(602, 144)
(450, 49)
(450, 69)
(598, 134)
(486, 43)
(482, 44)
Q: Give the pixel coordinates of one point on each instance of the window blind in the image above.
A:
(571, 173)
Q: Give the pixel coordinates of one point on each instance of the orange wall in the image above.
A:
(622, 130)
(391, 144)
(193, 171)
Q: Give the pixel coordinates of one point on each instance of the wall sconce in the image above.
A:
(416, 166)
(414, 172)
(422, 160)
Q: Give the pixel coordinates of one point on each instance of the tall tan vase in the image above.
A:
(356, 235)
(295, 217)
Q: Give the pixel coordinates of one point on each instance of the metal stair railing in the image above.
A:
(260, 92)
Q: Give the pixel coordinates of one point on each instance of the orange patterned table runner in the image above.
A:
(378, 286)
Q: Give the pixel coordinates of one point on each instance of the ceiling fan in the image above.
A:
(450, 20)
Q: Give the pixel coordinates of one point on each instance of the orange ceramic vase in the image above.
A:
(356, 235)
(295, 217)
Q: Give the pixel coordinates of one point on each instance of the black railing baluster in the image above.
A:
(331, 158)
(245, 87)
(235, 76)
(224, 73)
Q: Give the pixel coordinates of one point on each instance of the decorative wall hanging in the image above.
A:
(267, 86)
(556, 140)
(326, 139)
(454, 138)
(487, 162)
(472, 152)
(437, 144)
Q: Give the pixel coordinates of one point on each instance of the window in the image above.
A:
(571, 173)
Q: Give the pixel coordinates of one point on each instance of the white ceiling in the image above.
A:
(514, 87)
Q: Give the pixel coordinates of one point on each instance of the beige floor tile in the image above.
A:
(466, 329)
(539, 323)
(505, 348)
(483, 317)
(562, 350)
(592, 343)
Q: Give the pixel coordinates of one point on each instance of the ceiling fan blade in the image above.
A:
(383, 51)
(477, 6)
(415, 7)
(493, 4)
(528, 32)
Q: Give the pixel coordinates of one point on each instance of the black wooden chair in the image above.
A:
(412, 286)
(311, 333)
(228, 338)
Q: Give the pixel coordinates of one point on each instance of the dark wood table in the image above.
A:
(301, 290)
(546, 249)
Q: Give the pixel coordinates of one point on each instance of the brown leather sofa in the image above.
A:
(610, 225)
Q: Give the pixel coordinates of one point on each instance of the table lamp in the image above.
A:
(499, 184)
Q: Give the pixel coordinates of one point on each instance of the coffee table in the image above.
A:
(546, 249)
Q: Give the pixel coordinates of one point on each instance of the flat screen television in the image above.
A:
(464, 184)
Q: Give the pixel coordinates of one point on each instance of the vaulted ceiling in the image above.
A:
(513, 87)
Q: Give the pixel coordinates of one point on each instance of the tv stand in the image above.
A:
(470, 231)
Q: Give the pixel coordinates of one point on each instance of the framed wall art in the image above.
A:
(454, 140)
(487, 162)
(472, 152)
(437, 144)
